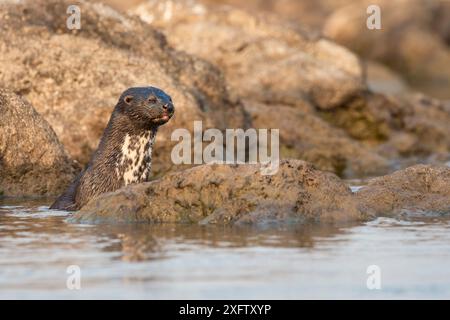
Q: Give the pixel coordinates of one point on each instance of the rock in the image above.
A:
(408, 125)
(224, 194)
(278, 67)
(413, 39)
(263, 58)
(419, 190)
(365, 118)
(74, 77)
(32, 160)
(297, 193)
(428, 120)
(381, 79)
(311, 13)
(303, 135)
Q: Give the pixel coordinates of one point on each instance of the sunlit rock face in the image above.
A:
(32, 160)
(74, 77)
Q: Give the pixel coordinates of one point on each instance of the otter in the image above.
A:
(124, 154)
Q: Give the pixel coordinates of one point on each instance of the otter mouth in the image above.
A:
(163, 118)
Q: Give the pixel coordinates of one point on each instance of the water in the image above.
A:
(206, 262)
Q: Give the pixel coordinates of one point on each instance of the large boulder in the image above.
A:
(224, 194)
(32, 160)
(420, 190)
(74, 77)
(264, 58)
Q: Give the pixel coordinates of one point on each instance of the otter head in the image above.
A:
(146, 106)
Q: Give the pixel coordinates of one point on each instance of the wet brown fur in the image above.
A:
(135, 120)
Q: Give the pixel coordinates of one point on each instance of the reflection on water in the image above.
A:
(197, 262)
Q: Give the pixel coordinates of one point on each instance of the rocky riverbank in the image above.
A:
(229, 68)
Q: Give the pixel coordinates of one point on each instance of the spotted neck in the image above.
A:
(135, 157)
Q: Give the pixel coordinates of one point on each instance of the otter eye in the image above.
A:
(128, 99)
(152, 99)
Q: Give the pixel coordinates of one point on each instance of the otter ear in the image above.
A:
(128, 99)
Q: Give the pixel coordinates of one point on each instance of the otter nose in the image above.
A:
(168, 107)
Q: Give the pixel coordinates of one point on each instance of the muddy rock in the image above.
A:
(32, 160)
(74, 77)
(263, 57)
(224, 194)
(419, 190)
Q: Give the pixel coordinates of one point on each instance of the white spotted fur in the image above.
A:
(131, 152)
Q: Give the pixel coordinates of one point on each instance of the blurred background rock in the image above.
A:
(414, 40)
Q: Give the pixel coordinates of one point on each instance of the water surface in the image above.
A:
(209, 262)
